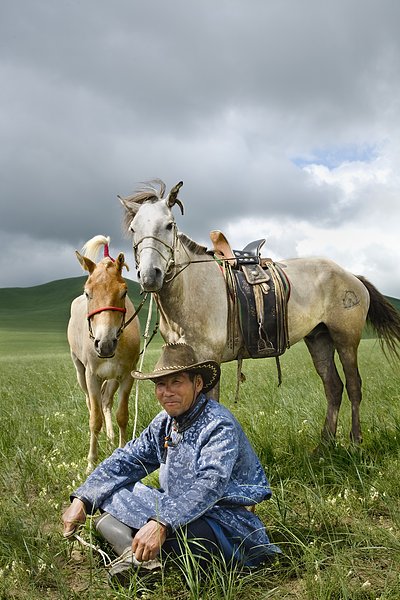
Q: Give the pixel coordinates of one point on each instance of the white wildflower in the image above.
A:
(41, 565)
(366, 585)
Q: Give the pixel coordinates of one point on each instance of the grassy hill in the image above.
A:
(45, 308)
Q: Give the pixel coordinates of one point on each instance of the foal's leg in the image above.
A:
(80, 375)
(95, 418)
(348, 358)
(322, 352)
(123, 408)
(108, 390)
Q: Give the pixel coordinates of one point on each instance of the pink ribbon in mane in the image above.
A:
(106, 253)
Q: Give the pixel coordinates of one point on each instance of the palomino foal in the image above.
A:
(104, 342)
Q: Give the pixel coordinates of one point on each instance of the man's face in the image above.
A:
(176, 392)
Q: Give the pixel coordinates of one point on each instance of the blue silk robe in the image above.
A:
(209, 470)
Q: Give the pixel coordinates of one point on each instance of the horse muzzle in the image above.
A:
(105, 348)
(151, 281)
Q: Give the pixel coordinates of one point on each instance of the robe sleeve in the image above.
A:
(126, 465)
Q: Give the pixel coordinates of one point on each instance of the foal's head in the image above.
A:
(105, 291)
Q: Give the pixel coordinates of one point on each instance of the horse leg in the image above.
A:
(95, 418)
(80, 375)
(348, 358)
(322, 352)
(108, 390)
(123, 409)
(239, 376)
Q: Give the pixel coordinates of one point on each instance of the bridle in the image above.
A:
(102, 309)
(170, 263)
(169, 259)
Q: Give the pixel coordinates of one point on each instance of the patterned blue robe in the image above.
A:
(209, 470)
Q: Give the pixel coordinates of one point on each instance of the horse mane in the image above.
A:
(151, 191)
(91, 247)
(191, 244)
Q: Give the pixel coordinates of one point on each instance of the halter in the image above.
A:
(117, 309)
(169, 260)
(102, 309)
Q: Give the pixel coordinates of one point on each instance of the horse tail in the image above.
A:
(92, 246)
(385, 320)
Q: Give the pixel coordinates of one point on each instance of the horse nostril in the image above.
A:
(157, 274)
(96, 344)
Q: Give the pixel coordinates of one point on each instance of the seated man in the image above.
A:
(208, 475)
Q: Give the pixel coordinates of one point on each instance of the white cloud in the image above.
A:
(351, 177)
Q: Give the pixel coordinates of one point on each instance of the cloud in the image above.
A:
(281, 117)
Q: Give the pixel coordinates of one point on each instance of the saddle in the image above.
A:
(260, 289)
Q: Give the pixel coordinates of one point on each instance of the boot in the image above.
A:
(119, 536)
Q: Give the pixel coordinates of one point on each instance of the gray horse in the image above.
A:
(328, 306)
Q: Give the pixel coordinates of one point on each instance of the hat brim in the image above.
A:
(209, 370)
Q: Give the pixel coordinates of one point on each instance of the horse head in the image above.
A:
(105, 291)
(149, 219)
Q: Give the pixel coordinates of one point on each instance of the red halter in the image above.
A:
(99, 310)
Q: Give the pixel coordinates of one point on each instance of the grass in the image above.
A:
(335, 511)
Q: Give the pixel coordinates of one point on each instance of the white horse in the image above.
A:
(328, 306)
(104, 342)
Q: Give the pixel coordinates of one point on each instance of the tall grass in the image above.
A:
(335, 511)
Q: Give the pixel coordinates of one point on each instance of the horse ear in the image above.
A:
(173, 196)
(86, 263)
(130, 206)
(120, 262)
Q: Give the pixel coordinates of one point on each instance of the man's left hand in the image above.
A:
(147, 542)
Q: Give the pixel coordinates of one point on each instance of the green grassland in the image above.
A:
(335, 511)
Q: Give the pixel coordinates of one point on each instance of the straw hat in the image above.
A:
(176, 358)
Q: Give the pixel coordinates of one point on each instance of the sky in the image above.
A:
(281, 117)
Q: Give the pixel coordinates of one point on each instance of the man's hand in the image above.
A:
(147, 542)
(73, 516)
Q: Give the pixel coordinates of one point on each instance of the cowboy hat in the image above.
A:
(179, 357)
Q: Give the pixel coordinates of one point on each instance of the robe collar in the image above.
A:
(187, 419)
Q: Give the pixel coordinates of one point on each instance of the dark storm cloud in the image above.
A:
(99, 96)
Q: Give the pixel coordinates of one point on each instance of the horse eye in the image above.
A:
(124, 294)
(169, 226)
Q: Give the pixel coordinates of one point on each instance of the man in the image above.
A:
(208, 475)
